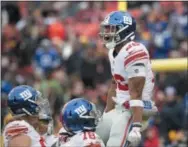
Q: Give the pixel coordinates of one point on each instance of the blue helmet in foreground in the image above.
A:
(116, 28)
(79, 115)
(25, 100)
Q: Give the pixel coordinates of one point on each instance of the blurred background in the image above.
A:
(55, 47)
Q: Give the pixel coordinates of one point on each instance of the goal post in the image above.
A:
(170, 65)
(122, 5)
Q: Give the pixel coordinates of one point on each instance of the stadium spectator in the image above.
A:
(46, 57)
(152, 137)
(171, 113)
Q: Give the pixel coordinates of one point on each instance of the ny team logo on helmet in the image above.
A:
(26, 94)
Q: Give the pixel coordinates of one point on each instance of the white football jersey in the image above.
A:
(50, 139)
(131, 61)
(63, 137)
(15, 128)
(83, 139)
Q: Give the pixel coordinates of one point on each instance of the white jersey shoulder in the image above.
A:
(84, 139)
(132, 60)
(63, 137)
(62, 130)
(15, 128)
(50, 139)
(130, 53)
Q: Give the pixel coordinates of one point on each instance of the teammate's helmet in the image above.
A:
(25, 100)
(116, 28)
(79, 115)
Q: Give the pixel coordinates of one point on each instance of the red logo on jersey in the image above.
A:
(132, 45)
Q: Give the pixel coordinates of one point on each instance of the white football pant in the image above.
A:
(114, 126)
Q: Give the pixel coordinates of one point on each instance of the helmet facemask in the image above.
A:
(114, 35)
(109, 35)
(96, 114)
(44, 112)
(42, 107)
(93, 117)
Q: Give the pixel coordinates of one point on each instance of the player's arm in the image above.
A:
(136, 85)
(16, 134)
(111, 93)
(136, 81)
(20, 141)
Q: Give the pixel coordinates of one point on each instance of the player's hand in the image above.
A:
(134, 136)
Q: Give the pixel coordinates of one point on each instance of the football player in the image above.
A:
(26, 105)
(79, 119)
(132, 83)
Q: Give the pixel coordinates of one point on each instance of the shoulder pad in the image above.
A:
(16, 128)
(136, 52)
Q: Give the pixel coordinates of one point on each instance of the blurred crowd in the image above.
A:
(55, 47)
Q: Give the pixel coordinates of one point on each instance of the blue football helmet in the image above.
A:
(79, 115)
(116, 28)
(25, 100)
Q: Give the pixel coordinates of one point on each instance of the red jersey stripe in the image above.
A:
(135, 52)
(125, 132)
(135, 57)
(14, 132)
(140, 59)
(123, 87)
(42, 142)
(16, 129)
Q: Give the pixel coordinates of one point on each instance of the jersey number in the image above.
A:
(132, 45)
(89, 135)
(119, 79)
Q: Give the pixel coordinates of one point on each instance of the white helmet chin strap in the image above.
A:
(110, 45)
